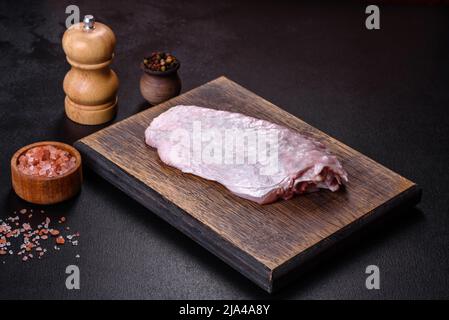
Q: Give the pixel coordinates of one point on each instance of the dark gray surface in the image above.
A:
(382, 92)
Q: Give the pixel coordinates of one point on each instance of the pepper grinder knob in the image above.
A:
(89, 22)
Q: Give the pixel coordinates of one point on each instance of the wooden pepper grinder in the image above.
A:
(90, 86)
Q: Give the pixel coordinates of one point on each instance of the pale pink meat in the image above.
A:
(293, 163)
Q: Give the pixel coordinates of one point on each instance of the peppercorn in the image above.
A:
(160, 61)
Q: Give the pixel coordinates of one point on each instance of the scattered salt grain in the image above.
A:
(27, 243)
(60, 240)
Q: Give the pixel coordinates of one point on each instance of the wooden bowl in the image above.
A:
(47, 190)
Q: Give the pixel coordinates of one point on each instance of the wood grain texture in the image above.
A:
(264, 242)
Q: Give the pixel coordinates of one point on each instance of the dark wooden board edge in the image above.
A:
(178, 218)
(302, 262)
(269, 280)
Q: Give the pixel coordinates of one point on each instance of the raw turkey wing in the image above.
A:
(255, 159)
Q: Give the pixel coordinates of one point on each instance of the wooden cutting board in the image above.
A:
(266, 243)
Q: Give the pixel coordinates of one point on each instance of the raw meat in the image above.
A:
(255, 159)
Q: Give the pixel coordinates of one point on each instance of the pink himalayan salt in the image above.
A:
(47, 161)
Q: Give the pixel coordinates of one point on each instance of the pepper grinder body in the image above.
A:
(90, 86)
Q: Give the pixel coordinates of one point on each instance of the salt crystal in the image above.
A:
(46, 161)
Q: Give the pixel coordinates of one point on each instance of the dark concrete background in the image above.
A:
(385, 93)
